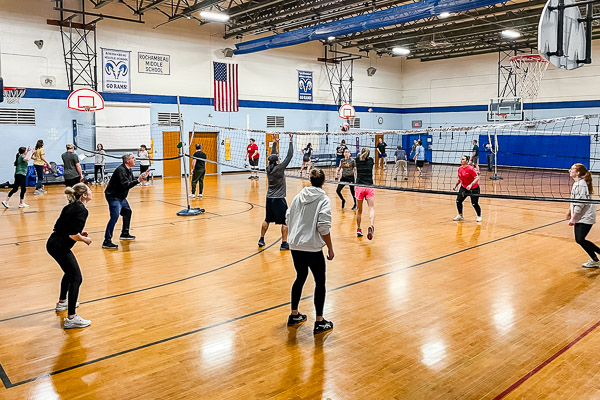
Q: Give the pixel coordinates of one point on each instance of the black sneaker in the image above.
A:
(284, 246)
(126, 236)
(354, 207)
(109, 245)
(296, 319)
(322, 326)
(261, 242)
(250, 177)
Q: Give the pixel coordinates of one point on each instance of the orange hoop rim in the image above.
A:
(528, 58)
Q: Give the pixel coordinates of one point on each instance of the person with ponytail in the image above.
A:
(20, 177)
(582, 216)
(276, 206)
(39, 161)
(364, 176)
(68, 230)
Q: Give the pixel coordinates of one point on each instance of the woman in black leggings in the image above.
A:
(67, 231)
(309, 221)
(20, 177)
(468, 179)
(582, 216)
(348, 167)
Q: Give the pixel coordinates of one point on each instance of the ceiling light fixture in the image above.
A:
(214, 16)
(401, 51)
(444, 14)
(511, 34)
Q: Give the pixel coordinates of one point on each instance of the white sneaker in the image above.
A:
(5, 204)
(479, 219)
(37, 192)
(43, 191)
(76, 322)
(458, 218)
(63, 306)
(147, 184)
(23, 205)
(199, 196)
(192, 196)
(591, 264)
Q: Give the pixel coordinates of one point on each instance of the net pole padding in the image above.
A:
(189, 211)
(529, 69)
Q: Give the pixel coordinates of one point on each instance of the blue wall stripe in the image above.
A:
(203, 101)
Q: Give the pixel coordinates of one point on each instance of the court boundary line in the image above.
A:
(153, 286)
(228, 321)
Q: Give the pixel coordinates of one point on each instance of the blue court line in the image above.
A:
(264, 310)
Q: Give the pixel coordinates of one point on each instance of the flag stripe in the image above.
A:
(226, 87)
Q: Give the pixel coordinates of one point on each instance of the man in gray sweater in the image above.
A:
(276, 206)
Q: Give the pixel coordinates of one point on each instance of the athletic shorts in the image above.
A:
(420, 163)
(306, 158)
(475, 160)
(383, 155)
(276, 209)
(253, 162)
(144, 168)
(362, 193)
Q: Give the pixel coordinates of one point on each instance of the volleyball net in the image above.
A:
(519, 160)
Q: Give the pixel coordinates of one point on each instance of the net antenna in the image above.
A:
(529, 70)
(14, 95)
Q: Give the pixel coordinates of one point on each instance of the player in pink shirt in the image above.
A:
(468, 179)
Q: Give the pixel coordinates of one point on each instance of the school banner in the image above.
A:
(116, 72)
(305, 85)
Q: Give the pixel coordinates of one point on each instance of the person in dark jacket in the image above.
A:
(276, 206)
(116, 195)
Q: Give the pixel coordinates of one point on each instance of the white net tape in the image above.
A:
(529, 70)
(13, 96)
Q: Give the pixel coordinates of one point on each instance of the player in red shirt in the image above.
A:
(468, 179)
(252, 157)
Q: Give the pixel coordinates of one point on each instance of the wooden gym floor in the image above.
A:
(429, 309)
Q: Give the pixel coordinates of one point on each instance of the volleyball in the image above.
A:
(345, 127)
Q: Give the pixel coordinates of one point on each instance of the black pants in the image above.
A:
(39, 172)
(581, 231)
(71, 281)
(340, 187)
(99, 168)
(198, 179)
(462, 195)
(72, 181)
(20, 182)
(303, 260)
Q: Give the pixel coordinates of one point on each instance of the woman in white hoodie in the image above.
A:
(583, 215)
(309, 221)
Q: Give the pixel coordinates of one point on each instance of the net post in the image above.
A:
(501, 118)
(186, 211)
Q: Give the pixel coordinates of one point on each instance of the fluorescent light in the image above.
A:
(444, 14)
(401, 51)
(511, 34)
(213, 16)
(331, 38)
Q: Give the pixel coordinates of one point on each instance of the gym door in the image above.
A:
(208, 140)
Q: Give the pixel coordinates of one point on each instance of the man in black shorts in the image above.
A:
(475, 156)
(276, 206)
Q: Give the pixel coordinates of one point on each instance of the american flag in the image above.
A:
(226, 87)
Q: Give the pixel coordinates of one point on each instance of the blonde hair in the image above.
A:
(364, 153)
(74, 193)
(584, 174)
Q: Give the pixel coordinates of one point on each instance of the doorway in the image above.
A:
(170, 149)
(208, 140)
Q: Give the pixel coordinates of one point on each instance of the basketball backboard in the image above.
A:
(562, 35)
(505, 109)
(85, 100)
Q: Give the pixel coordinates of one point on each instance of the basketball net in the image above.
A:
(89, 113)
(529, 69)
(13, 95)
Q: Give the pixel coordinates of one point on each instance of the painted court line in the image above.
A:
(5, 378)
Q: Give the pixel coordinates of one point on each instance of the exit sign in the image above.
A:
(417, 124)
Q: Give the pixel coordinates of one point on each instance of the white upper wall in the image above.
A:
(265, 76)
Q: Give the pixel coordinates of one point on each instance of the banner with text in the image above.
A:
(116, 74)
(305, 85)
(150, 63)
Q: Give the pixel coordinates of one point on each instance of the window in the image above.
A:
(275, 121)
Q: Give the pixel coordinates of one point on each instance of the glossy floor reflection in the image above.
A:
(431, 308)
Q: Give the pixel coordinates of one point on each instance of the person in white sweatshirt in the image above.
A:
(583, 215)
(309, 221)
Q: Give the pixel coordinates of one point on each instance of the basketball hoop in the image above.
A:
(89, 113)
(529, 70)
(14, 95)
